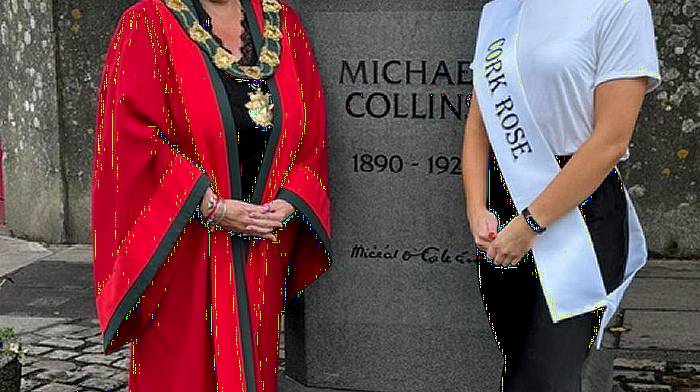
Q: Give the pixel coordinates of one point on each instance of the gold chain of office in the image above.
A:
(269, 54)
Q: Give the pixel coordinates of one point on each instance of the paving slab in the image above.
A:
(663, 294)
(56, 387)
(16, 253)
(658, 355)
(30, 370)
(89, 332)
(95, 359)
(634, 387)
(61, 330)
(105, 384)
(36, 350)
(52, 274)
(45, 302)
(640, 364)
(61, 355)
(72, 254)
(50, 289)
(635, 376)
(662, 330)
(29, 385)
(688, 269)
(52, 364)
(62, 343)
(23, 325)
(99, 371)
(122, 363)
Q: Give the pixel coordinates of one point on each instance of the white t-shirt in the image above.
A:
(567, 48)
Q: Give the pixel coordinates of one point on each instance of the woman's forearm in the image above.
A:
(617, 105)
(475, 153)
(579, 178)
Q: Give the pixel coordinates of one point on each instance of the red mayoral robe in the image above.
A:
(201, 309)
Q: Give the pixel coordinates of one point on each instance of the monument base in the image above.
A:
(288, 384)
(597, 376)
(598, 371)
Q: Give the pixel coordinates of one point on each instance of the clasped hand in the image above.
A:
(506, 247)
(255, 220)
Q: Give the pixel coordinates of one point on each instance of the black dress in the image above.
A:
(252, 139)
(540, 355)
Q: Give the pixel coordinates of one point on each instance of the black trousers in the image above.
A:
(540, 356)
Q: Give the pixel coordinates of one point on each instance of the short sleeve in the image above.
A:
(626, 43)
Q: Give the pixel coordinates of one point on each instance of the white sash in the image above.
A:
(566, 261)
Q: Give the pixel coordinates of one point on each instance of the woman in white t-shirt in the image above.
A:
(585, 67)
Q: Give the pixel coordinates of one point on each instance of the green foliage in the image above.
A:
(9, 343)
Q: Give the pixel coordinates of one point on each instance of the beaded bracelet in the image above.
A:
(213, 209)
(211, 202)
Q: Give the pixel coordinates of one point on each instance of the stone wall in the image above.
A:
(663, 173)
(29, 121)
(50, 61)
(83, 30)
(50, 64)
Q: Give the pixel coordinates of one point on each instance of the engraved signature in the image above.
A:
(428, 254)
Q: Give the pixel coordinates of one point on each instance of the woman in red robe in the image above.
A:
(201, 303)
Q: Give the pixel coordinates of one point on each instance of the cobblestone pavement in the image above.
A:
(656, 376)
(68, 357)
(654, 337)
(656, 334)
